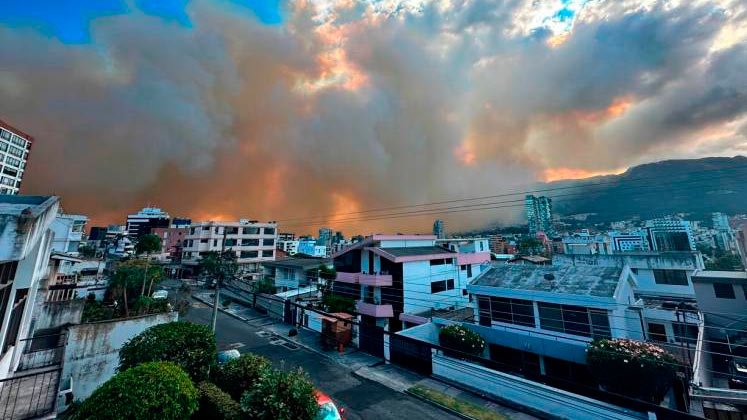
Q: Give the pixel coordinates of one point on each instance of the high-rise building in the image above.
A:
(142, 222)
(720, 221)
(539, 214)
(670, 234)
(15, 146)
(438, 229)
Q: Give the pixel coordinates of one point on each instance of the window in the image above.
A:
(191, 231)
(7, 181)
(511, 311)
(576, 320)
(231, 242)
(5, 134)
(269, 231)
(724, 291)
(232, 230)
(18, 141)
(250, 242)
(215, 242)
(440, 261)
(671, 277)
(268, 242)
(249, 254)
(685, 333)
(203, 241)
(251, 231)
(10, 171)
(463, 267)
(15, 151)
(268, 253)
(656, 332)
(3, 146)
(469, 270)
(442, 285)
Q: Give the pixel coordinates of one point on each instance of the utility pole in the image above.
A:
(219, 280)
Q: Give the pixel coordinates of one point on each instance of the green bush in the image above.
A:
(157, 390)
(216, 404)
(633, 368)
(147, 305)
(239, 375)
(461, 339)
(94, 310)
(337, 303)
(281, 396)
(190, 346)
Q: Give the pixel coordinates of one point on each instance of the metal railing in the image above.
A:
(30, 395)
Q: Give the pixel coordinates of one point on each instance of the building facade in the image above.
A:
(144, 221)
(670, 234)
(539, 214)
(68, 233)
(15, 146)
(252, 241)
(438, 229)
(172, 242)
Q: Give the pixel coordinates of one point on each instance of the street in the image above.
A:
(361, 398)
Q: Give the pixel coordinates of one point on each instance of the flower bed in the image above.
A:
(461, 339)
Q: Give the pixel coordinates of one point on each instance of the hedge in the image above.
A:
(216, 404)
(239, 375)
(461, 339)
(190, 346)
(281, 396)
(158, 390)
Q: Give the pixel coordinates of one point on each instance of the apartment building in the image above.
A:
(144, 221)
(15, 146)
(25, 245)
(398, 279)
(252, 241)
(294, 273)
(68, 232)
(172, 242)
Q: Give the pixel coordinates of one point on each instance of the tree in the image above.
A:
(191, 346)
(240, 375)
(634, 368)
(87, 251)
(220, 266)
(530, 246)
(130, 276)
(281, 396)
(337, 303)
(147, 244)
(726, 262)
(158, 390)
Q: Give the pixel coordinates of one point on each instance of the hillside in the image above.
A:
(696, 186)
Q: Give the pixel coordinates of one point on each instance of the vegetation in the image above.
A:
(462, 407)
(191, 346)
(239, 375)
(281, 396)
(726, 262)
(219, 266)
(157, 390)
(148, 244)
(87, 251)
(634, 368)
(461, 339)
(96, 311)
(216, 404)
(327, 273)
(147, 305)
(128, 281)
(531, 246)
(337, 303)
(265, 285)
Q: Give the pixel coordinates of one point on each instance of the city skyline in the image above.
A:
(219, 110)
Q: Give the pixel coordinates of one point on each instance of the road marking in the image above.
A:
(234, 346)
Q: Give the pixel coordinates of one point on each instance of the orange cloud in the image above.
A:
(465, 153)
(557, 174)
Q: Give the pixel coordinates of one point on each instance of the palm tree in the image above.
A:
(147, 244)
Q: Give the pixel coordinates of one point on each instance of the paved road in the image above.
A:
(361, 398)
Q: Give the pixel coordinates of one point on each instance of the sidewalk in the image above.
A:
(360, 363)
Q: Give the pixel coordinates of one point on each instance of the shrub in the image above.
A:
(157, 390)
(281, 396)
(190, 346)
(337, 303)
(461, 339)
(239, 375)
(147, 305)
(216, 404)
(633, 368)
(94, 310)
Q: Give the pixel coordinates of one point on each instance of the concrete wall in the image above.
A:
(92, 353)
(544, 400)
(57, 314)
(418, 276)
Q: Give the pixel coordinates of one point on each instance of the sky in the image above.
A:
(274, 110)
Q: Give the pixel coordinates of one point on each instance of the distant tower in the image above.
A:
(16, 146)
(438, 229)
(539, 214)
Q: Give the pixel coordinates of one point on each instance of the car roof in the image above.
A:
(322, 398)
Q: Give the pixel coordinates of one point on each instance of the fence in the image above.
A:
(42, 351)
(28, 396)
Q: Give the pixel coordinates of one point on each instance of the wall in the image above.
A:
(56, 314)
(418, 276)
(92, 353)
(546, 401)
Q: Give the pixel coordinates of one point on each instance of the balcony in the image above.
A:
(374, 310)
(365, 279)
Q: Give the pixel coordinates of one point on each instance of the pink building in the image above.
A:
(171, 241)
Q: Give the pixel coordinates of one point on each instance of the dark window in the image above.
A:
(249, 254)
(5, 134)
(439, 262)
(250, 242)
(10, 171)
(656, 332)
(232, 230)
(450, 284)
(268, 253)
(672, 277)
(576, 320)
(685, 333)
(251, 231)
(469, 270)
(438, 286)
(203, 241)
(724, 290)
(512, 311)
(269, 231)
(744, 289)
(463, 267)
(600, 324)
(551, 316)
(16, 313)
(268, 242)
(483, 310)
(215, 242)
(230, 242)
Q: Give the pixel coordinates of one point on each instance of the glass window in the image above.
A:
(268, 253)
(551, 317)
(724, 291)
(656, 332)
(600, 324)
(500, 309)
(251, 231)
(269, 231)
(268, 242)
(3, 146)
(483, 310)
(438, 286)
(249, 254)
(523, 311)
(5, 134)
(15, 151)
(450, 284)
(685, 333)
(250, 242)
(576, 320)
(671, 277)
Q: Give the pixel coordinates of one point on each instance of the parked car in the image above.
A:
(327, 408)
(160, 294)
(226, 355)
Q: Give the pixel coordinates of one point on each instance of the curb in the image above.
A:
(210, 304)
(437, 405)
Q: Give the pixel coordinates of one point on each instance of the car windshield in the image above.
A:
(328, 411)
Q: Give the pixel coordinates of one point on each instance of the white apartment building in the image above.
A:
(68, 233)
(252, 241)
(290, 247)
(15, 146)
(25, 245)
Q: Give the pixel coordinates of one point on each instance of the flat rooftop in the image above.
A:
(14, 205)
(301, 263)
(575, 280)
(416, 250)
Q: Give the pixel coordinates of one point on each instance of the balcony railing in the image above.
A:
(384, 280)
(29, 395)
(374, 310)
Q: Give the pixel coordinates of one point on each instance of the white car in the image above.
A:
(160, 294)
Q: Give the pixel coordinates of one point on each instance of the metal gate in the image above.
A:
(371, 339)
(409, 353)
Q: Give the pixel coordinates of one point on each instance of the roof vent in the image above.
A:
(549, 276)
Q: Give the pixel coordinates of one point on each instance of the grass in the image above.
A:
(460, 406)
